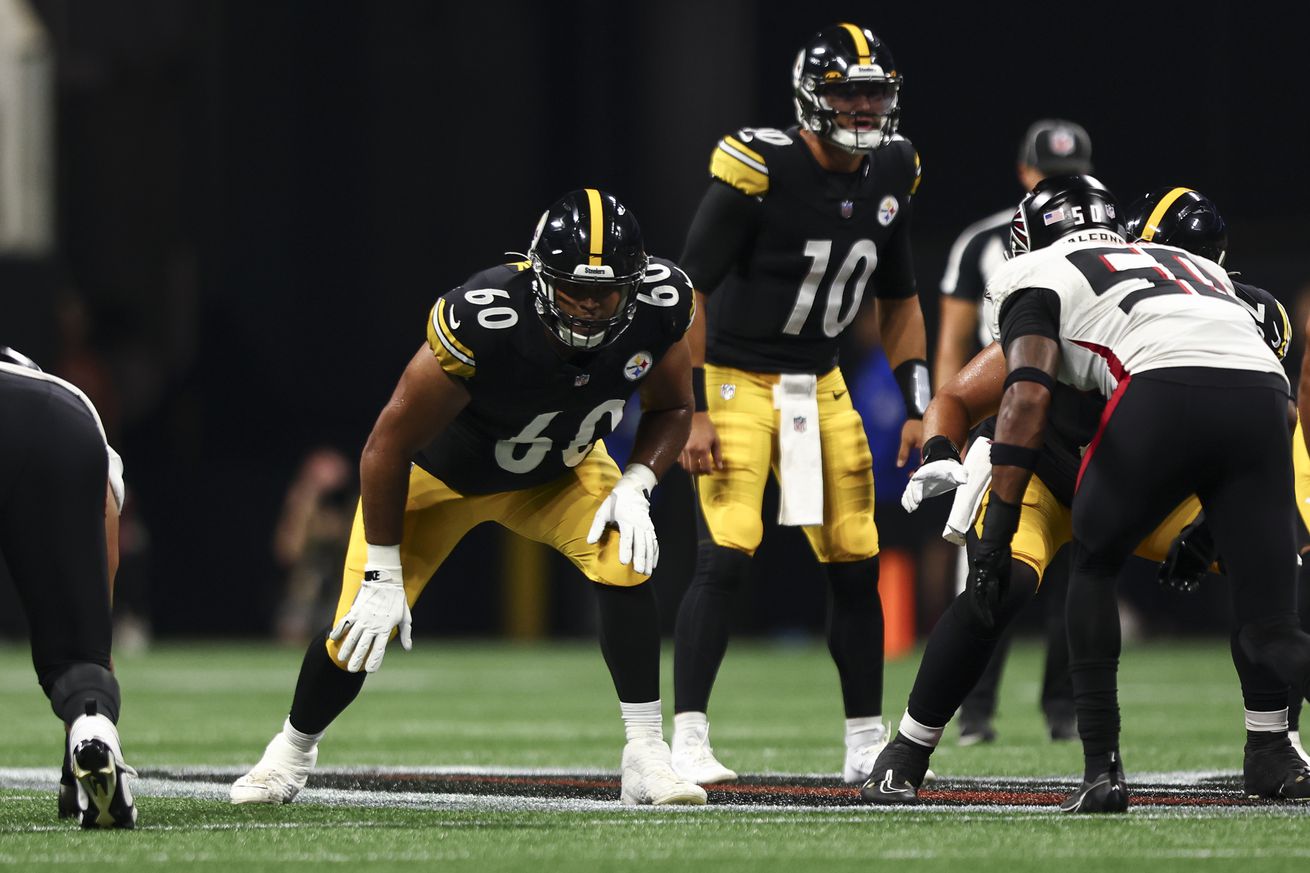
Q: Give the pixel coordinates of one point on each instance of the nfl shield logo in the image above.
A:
(581, 379)
(798, 423)
(847, 209)
(727, 392)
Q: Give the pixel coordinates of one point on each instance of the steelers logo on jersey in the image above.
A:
(637, 366)
(887, 210)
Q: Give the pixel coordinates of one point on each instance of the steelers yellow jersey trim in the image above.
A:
(597, 235)
(918, 175)
(741, 167)
(1153, 223)
(861, 43)
(455, 357)
(692, 317)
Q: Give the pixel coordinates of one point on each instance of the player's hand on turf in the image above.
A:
(911, 439)
(1189, 558)
(379, 608)
(932, 479)
(702, 453)
(627, 507)
(989, 583)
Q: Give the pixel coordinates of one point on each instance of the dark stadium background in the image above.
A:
(260, 200)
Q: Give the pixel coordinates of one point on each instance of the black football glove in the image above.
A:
(1189, 558)
(989, 583)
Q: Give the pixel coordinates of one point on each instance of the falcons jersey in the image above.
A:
(788, 249)
(533, 415)
(1131, 308)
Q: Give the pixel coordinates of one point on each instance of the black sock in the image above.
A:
(323, 690)
(630, 640)
(1096, 696)
(855, 634)
(1097, 764)
(700, 638)
(959, 650)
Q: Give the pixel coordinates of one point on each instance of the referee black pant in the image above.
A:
(1222, 435)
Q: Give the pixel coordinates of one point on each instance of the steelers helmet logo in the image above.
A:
(637, 366)
(887, 210)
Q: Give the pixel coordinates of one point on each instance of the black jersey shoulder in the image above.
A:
(1269, 315)
(898, 165)
(742, 158)
(477, 319)
(666, 303)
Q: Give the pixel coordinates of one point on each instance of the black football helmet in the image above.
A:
(1180, 217)
(849, 61)
(587, 242)
(10, 355)
(1059, 206)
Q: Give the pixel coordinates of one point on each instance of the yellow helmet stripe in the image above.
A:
(597, 235)
(861, 44)
(1153, 223)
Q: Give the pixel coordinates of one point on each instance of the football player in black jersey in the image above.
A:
(62, 488)
(793, 229)
(499, 417)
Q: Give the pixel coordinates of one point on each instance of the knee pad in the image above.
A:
(720, 567)
(74, 685)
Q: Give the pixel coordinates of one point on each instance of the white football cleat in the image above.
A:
(104, 798)
(1295, 737)
(860, 759)
(279, 775)
(648, 777)
(694, 760)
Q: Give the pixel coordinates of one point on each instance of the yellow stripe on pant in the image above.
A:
(558, 513)
(741, 407)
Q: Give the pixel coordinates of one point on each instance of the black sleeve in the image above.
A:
(1028, 312)
(894, 278)
(969, 284)
(724, 223)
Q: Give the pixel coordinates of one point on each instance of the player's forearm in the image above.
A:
(384, 487)
(900, 323)
(950, 357)
(947, 416)
(1021, 424)
(661, 434)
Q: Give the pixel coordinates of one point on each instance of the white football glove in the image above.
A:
(932, 479)
(379, 608)
(627, 507)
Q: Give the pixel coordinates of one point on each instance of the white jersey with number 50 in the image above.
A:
(1129, 308)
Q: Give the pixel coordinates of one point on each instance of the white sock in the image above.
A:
(642, 721)
(691, 724)
(1269, 722)
(300, 741)
(864, 731)
(924, 735)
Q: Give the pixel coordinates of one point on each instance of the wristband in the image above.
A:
(383, 557)
(939, 448)
(1001, 522)
(912, 377)
(698, 389)
(641, 476)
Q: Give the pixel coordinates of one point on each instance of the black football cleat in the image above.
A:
(1274, 770)
(1106, 792)
(897, 774)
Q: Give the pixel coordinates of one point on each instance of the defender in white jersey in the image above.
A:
(1197, 404)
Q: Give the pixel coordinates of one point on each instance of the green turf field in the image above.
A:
(551, 707)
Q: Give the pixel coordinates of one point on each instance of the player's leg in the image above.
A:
(846, 544)
(52, 536)
(1301, 479)
(560, 514)
(729, 529)
(436, 518)
(958, 650)
(1057, 689)
(1134, 473)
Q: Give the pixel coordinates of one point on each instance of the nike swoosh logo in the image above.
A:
(885, 787)
(837, 395)
(454, 324)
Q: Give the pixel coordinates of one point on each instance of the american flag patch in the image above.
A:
(1049, 218)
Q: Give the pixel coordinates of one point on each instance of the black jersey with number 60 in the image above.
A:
(534, 415)
(788, 249)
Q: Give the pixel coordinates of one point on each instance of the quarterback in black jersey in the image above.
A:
(796, 228)
(499, 417)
